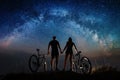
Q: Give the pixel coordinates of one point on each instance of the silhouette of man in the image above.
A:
(54, 44)
(69, 52)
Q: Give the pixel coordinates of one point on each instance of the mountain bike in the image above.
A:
(37, 61)
(81, 64)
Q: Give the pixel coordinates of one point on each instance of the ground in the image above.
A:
(114, 75)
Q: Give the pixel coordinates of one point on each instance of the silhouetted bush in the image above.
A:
(105, 69)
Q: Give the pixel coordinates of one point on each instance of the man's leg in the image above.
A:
(52, 61)
(57, 58)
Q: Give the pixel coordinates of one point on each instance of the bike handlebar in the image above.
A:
(43, 55)
(78, 53)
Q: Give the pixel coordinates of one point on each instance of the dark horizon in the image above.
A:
(17, 62)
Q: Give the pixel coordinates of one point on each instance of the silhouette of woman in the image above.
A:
(69, 52)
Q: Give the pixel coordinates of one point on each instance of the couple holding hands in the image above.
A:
(54, 44)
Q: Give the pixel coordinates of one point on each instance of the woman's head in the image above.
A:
(70, 39)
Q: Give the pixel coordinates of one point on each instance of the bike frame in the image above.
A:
(75, 60)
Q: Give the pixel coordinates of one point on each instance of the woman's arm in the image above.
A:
(75, 47)
(65, 47)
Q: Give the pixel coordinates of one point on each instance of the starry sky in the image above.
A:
(94, 25)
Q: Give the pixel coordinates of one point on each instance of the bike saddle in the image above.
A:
(79, 52)
(37, 49)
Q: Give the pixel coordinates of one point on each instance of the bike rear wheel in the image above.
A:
(84, 66)
(33, 63)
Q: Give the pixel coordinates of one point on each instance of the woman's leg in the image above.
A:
(70, 61)
(65, 60)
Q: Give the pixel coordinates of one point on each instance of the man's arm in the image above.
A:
(59, 47)
(48, 48)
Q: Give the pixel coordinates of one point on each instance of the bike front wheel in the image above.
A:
(33, 63)
(45, 66)
(84, 66)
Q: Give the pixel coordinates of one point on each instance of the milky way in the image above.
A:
(93, 25)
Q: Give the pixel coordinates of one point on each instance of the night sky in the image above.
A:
(94, 25)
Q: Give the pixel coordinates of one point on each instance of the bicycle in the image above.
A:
(81, 64)
(37, 61)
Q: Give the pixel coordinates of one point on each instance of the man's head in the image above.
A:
(54, 37)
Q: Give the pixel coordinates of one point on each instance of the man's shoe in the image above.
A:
(63, 70)
(52, 70)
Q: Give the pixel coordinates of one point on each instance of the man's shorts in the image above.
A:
(54, 55)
